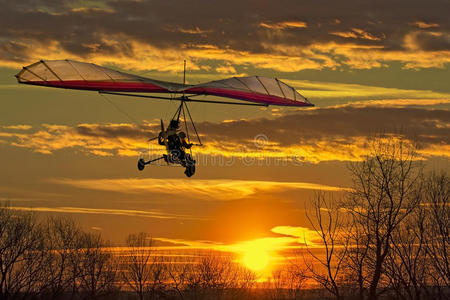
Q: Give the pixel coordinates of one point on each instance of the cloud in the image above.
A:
(425, 25)
(148, 35)
(336, 133)
(99, 139)
(226, 69)
(270, 244)
(427, 40)
(302, 234)
(104, 211)
(288, 238)
(18, 127)
(332, 90)
(217, 190)
(192, 31)
(400, 103)
(284, 25)
(273, 246)
(357, 33)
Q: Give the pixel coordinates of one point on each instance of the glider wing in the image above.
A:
(86, 76)
(270, 91)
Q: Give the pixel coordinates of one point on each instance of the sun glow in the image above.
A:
(256, 259)
(260, 255)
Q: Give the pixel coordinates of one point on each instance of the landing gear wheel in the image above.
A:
(141, 164)
(190, 170)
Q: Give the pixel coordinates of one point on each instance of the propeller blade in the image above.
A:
(162, 125)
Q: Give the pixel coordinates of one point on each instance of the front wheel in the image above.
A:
(190, 170)
(141, 164)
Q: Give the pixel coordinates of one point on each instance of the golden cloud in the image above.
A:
(347, 34)
(357, 33)
(303, 234)
(425, 25)
(194, 30)
(291, 238)
(269, 244)
(284, 25)
(226, 69)
(234, 141)
(396, 103)
(18, 127)
(332, 90)
(218, 189)
(51, 138)
(367, 57)
(278, 57)
(267, 38)
(105, 211)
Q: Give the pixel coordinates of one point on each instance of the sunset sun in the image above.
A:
(256, 259)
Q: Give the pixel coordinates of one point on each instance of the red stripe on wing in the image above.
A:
(241, 95)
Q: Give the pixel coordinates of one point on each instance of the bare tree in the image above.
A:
(296, 279)
(287, 282)
(386, 188)
(406, 264)
(63, 240)
(437, 225)
(219, 274)
(357, 240)
(143, 271)
(325, 218)
(98, 270)
(210, 275)
(21, 254)
(179, 269)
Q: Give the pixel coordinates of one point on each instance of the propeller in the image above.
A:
(162, 131)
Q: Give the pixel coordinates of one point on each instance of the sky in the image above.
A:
(369, 67)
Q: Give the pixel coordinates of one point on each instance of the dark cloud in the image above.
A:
(431, 41)
(81, 27)
(426, 126)
(14, 51)
(338, 123)
(117, 131)
(336, 133)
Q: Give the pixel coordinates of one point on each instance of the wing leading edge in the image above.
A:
(86, 76)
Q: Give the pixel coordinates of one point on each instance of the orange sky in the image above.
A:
(366, 68)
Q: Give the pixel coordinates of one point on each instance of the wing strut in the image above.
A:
(185, 99)
(193, 124)
(181, 110)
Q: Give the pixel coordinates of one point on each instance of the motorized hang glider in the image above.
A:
(253, 90)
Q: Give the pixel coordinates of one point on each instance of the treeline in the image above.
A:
(386, 238)
(56, 259)
(51, 259)
(389, 236)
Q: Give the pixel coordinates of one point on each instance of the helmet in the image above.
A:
(182, 135)
(173, 124)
